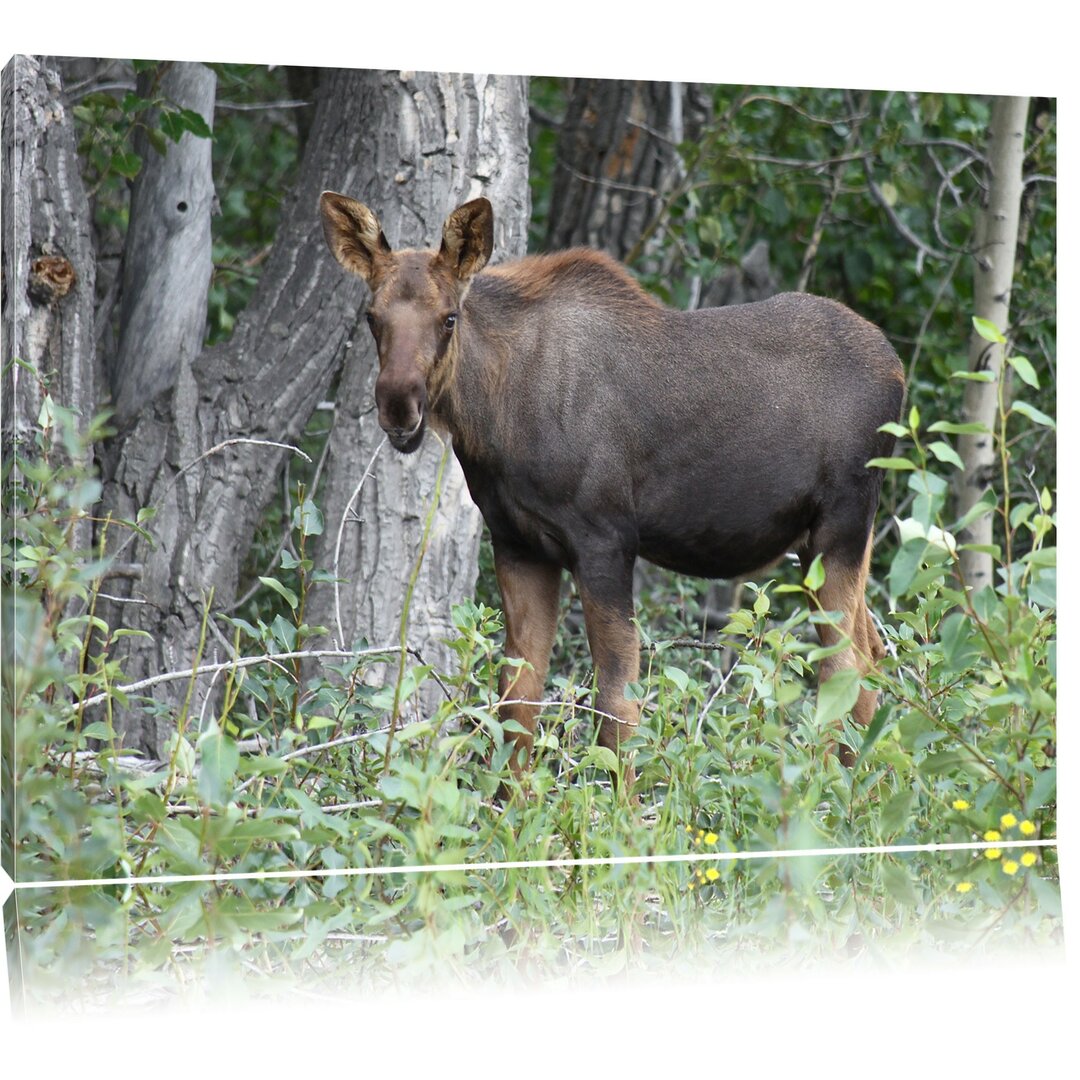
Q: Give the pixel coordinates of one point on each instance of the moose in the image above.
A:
(595, 426)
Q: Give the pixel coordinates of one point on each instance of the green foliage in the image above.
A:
(316, 768)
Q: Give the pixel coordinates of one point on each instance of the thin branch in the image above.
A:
(259, 106)
(803, 163)
(828, 121)
(923, 248)
(245, 661)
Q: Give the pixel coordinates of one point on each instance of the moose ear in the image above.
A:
(352, 233)
(467, 239)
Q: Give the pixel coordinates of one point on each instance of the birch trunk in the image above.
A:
(995, 242)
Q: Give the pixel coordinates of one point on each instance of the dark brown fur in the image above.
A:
(595, 426)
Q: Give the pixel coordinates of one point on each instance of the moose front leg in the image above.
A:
(607, 599)
(530, 597)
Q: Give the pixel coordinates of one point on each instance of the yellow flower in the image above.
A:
(712, 873)
(993, 853)
(1029, 858)
(1026, 827)
(711, 838)
(961, 804)
(1008, 821)
(991, 834)
(1010, 866)
(963, 886)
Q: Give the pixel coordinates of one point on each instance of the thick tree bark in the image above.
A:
(995, 254)
(409, 144)
(617, 159)
(456, 137)
(48, 258)
(181, 458)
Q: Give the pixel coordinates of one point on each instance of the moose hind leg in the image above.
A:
(844, 591)
(530, 597)
(607, 600)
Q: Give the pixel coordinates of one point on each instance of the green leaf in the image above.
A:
(127, 164)
(219, 759)
(1035, 415)
(307, 519)
(158, 141)
(913, 418)
(973, 376)
(678, 677)
(171, 124)
(893, 428)
(944, 452)
(815, 576)
(290, 597)
(131, 102)
(837, 696)
(987, 330)
(889, 463)
(1024, 368)
(194, 123)
(947, 427)
(896, 811)
(602, 757)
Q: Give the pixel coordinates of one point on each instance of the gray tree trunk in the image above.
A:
(456, 137)
(48, 258)
(167, 262)
(995, 242)
(182, 456)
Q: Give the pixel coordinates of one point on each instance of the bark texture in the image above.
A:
(167, 263)
(616, 159)
(182, 456)
(48, 257)
(456, 137)
(995, 256)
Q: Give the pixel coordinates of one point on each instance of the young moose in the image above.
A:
(595, 425)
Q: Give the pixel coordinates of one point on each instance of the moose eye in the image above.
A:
(370, 321)
(450, 322)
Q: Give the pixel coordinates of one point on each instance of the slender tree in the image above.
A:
(996, 231)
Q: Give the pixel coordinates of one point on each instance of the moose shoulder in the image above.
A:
(595, 425)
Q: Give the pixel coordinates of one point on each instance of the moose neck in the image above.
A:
(465, 398)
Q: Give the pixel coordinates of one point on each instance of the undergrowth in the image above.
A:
(313, 771)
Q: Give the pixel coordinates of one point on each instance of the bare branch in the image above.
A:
(242, 662)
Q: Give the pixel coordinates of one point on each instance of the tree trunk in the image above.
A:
(167, 252)
(457, 137)
(410, 144)
(186, 455)
(617, 158)
(48, 258)
(995, 243)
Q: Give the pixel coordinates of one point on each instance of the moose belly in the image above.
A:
(715, 535)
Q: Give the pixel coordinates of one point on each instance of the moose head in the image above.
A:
(416, 302)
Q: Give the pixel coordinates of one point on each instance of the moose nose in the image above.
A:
(401, 405)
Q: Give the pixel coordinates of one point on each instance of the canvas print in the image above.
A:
(489, 527)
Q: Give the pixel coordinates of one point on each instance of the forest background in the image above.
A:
(788, 268)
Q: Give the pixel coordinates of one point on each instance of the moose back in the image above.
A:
(595, 426)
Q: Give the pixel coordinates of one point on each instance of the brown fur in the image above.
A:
(596, 426)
